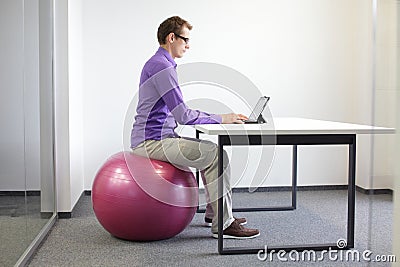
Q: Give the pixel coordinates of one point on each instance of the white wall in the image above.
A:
(385, 93)
(382, 85)
(396, 208)
(11, 78)
(311, 63)
(46, 96)
(75, 69)
(19, 96)
(67, 104)
(31, 94)
(313, 59)
(65, 193)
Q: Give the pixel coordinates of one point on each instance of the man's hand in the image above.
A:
(233, 118)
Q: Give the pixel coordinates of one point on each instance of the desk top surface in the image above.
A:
(284, 126)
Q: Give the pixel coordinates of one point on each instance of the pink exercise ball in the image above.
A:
(141, 199)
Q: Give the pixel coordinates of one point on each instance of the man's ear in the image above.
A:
(170, 37)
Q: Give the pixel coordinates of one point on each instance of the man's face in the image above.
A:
(179, 45)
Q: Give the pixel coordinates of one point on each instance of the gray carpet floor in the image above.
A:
(321, 216)
(20, 222)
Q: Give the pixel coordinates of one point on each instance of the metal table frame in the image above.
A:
(293, 140)
(269, 208)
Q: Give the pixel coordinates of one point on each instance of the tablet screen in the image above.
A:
(258, 109)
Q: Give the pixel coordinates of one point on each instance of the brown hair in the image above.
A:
(173, 24)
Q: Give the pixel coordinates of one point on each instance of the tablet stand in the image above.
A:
(260, 119)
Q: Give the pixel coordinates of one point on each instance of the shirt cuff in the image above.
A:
(216, 118)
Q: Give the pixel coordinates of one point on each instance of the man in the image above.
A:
(161, 106)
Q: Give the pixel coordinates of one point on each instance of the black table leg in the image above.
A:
(313, 140)
(269, 208)
(220, 195)
(294, 177)
(351, 193)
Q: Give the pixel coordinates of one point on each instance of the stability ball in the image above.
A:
(141, 199)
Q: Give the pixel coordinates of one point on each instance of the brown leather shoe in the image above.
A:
(241, 221)
(237, 231)
(208, 221)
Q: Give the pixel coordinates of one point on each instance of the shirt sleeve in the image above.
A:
(166, 83)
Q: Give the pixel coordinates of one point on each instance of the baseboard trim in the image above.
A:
(68, 215)
(21, 193)
(46, 214)
(374, 191)
(288, 188)
(314, 188)
(299, 188)
(64, 215)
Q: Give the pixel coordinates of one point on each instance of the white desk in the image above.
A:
(291, 131)
(285, 126)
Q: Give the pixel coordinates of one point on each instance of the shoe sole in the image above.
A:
(210, 224)
(236, 237)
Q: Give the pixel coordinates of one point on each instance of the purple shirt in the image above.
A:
(160, 106)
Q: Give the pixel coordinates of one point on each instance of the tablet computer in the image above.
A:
(256, 114)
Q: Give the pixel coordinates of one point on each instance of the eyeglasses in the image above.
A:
(183, 38)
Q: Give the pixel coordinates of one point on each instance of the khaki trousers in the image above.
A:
(199, 154)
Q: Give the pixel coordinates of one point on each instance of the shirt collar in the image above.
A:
(167, 55)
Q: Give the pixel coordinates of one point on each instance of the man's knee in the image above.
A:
(216, 157)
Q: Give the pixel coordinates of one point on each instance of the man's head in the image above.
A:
(173, 35)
